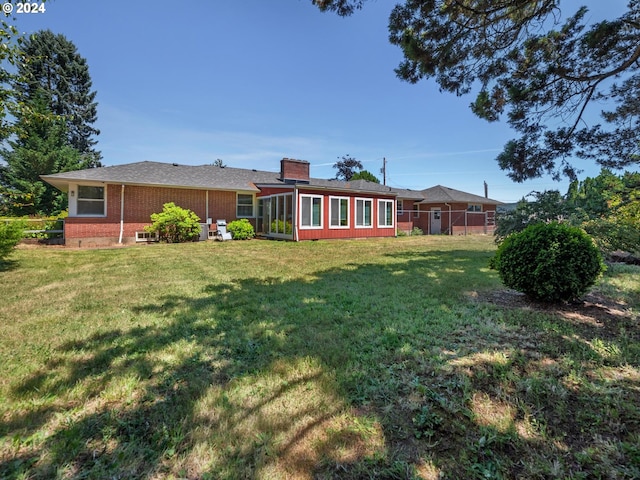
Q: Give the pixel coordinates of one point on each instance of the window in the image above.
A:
(400, 207)
(310, 211)
(339, 212)
(385, 213)
(364, 208)
(474, 207)
(90, 201)
(244, 205)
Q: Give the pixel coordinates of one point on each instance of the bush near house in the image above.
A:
(241, 229)
(11, 232)
(175, 224)
(549, 262)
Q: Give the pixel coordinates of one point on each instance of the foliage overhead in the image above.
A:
(548, 70)
(346, 167)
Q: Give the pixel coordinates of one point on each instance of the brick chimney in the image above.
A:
(291, 169)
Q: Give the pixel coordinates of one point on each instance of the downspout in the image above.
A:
(450, 231)
(121, 214)
(206, 206)
(294, 220)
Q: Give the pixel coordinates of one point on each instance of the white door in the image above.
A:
(435, 224)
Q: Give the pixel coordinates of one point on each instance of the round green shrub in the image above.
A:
(175, 224)
(549, 262)
(241, 229)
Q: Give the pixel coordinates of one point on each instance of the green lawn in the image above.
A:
(395, 358)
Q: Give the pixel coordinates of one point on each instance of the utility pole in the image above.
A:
(383, 170)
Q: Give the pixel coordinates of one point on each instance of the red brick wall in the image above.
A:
(139, 203)
(474, 221)
(294, 169)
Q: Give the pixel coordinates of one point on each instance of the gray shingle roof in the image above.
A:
(169, 175)
(441, 194)
(202, 176)
(240, 179)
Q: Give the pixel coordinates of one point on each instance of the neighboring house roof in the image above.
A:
(441, 194)
(408, 194)
(168, 175)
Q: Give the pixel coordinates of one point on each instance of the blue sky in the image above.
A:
(252, 81)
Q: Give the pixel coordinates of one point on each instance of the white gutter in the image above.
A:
(121, 214)
(450, 231)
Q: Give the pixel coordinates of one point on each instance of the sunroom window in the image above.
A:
(310, 211)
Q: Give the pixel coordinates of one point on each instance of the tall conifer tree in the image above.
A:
(52, 66)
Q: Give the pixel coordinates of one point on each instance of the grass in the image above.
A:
(272, 360)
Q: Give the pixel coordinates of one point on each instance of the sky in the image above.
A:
(252, 81)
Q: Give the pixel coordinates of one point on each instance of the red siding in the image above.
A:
(352, 231)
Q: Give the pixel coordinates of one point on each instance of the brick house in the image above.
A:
(444, 210)
(113, 204)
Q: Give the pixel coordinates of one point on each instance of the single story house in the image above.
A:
(113, 204)
(444, 210)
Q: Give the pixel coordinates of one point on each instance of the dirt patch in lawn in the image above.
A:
(594, 311)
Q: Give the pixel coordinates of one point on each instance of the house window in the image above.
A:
(339, 212)
(400, 207)
(91, 201)
(364, 210)
(385, 213)
(310, 211)
(474, 207)
(244, 205)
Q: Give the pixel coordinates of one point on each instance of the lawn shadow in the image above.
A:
(360, 369)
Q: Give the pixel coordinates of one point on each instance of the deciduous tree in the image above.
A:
(365, 175)
(346, 167)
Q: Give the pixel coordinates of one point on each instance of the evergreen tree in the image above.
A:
(53, 67)
(39, 147)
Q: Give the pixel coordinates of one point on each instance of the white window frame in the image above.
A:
(75, 192)
(474, 207)
(363, 201)
(302, 210)
(238, 205)
(382, 202)
(339, 199)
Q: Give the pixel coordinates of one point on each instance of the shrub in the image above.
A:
(241, 229)
(11, 232)
(175, 224)
(549, 262)
(417, 231)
